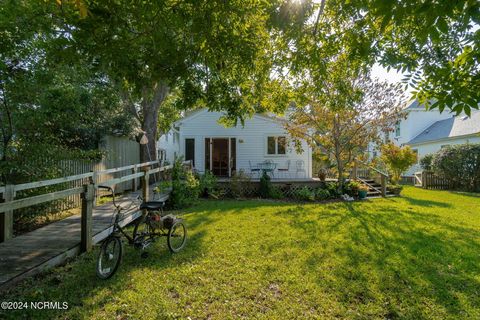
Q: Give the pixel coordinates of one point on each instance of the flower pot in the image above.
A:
(362, 194)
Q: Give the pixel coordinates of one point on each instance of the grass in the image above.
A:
(414, 257)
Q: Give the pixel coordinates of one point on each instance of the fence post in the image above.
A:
(86, 219)
(6, 218)
(383, 181)
(424, 179)
(145, 183)
(134, 181)
(95, 191)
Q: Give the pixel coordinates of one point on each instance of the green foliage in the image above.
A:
(397, 159)
(276, 193)
(209, 185)
(185, 187)
(351, 188)
(426, 162)
(333, 189)
(265, 186)
(304, 194)
(460, 164)
(395, 188)
(322, 194)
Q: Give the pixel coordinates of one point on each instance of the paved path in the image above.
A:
(52, 244)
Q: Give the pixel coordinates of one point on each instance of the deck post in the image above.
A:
(134, 181)
(6, 218)
(145, 183)
(383, 180)
(86, 219)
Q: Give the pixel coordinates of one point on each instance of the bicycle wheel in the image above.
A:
(109, 257)
(177, 236)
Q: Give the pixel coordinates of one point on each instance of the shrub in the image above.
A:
(395, 188)
(185, 187)
(397, 159)
(426, 162)
(460, 164)
(238, 183)
(304, 194)
(276, 193)
(265, 186)
(322, 194)
(209, 185)
(351, 188)
(332, 188)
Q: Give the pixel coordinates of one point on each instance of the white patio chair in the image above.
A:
(254, 170)
(300, 168)
(283, 171)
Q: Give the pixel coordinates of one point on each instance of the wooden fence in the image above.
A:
(86, 187)
(429, 180)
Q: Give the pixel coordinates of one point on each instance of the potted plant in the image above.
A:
(362, 191)
(322, 174)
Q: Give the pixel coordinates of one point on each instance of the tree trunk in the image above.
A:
(151, 103)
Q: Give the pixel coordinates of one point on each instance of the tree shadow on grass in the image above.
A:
(77, 284)
(409, 258)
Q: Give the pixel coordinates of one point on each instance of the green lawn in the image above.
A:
(414, 257)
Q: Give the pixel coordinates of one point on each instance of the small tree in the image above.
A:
(397, 159)
(340, 115)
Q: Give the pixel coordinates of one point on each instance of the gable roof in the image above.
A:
(450, 128)
(192, 114)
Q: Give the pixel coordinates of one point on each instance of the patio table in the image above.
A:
(267, 167)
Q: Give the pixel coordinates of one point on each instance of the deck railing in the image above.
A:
(87, 191)
(363, 171)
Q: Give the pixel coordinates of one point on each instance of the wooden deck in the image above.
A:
(51, 245)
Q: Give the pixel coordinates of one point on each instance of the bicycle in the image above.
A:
(152, 224)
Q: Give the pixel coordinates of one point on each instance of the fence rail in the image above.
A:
(86, 192)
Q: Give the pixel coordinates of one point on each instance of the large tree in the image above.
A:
(218, 54)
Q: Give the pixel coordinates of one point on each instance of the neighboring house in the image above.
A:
(168, 146)
(224, 150)
(427, 131)
(454, 130)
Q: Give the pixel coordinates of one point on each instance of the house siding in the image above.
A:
(251, 141)
(434, 146)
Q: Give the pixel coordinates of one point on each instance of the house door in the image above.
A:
(220, 156)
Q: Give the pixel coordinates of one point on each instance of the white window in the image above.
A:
(276, 145)
(397, 129)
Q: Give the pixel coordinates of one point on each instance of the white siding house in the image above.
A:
(224, 150)
(427, 131)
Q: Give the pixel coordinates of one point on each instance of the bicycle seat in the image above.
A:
(152, 205)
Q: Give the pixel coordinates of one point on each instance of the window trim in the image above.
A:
(276, 154)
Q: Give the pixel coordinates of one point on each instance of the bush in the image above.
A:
(304, 194)
(426, 162)
(276, 193)
(322, 194)
(265, 186)
(332, 188)
(397, 159)
(395, 188)
(460, 164)
(351, 188)
(209, 185)
(185, 187)
(238, 183)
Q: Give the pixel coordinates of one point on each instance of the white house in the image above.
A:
(427, 131)
(223, 150)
